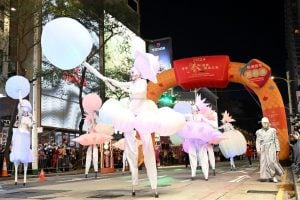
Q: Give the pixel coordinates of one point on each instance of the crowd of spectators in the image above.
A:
(53, 157)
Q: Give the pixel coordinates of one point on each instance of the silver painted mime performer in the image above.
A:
(268, 149)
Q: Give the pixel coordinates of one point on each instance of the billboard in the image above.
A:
(163, 48)
(120, 48)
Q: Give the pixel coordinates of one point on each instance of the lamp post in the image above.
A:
(288, 82)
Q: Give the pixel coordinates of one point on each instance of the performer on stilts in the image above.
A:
(235, 144)
(145, 67)
(21, 140)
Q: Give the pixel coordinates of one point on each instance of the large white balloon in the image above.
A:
(108, 110)
(170, 121)
(66, 43)
(17, 87)
(183, 107)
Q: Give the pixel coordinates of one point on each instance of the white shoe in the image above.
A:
(275, 180)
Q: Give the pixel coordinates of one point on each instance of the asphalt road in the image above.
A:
(174, 183)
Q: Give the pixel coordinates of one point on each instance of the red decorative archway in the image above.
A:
(217, 72)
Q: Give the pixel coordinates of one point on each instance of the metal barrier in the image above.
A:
(61, 165)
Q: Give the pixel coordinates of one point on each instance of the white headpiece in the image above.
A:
(265, 119)
(147, 64)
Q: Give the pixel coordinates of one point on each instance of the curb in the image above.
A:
(296, 187)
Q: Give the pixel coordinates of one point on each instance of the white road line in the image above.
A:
(161, 176)
(186, 180)
(239, 178)
(142, 179)
(102, 179)
(230, 172)
(71, 180)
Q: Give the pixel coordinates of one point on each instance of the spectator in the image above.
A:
(249, 153)
(295, 144)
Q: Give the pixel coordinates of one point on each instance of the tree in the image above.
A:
(31, 15)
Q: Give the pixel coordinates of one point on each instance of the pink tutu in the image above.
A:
(200, 130)
(92, 138)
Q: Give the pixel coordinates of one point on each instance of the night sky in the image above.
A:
(243, 30)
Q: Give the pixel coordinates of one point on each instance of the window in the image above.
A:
(133, 4)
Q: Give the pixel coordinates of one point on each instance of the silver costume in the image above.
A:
(267, 145)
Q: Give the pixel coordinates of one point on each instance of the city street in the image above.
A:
(173, 183)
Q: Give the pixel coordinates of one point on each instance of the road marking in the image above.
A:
(71, 180)
(239, 178)
(102, 179)
(141, 179)
(280, 193)
(230, 172)
(162, 176)
(186, 180)
(146, 178)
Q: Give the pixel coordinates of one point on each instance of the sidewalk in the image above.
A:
(296, 186)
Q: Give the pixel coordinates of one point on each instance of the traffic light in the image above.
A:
(166, 100)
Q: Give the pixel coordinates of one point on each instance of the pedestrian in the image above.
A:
(295, 145)
(267, 145)
(249, 153)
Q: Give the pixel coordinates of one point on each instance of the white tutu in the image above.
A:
(21, 151)
(234, 145)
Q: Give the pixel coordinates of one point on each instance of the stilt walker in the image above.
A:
(91, 103)
(235, 144)
(200, 135)
(145, 114)
(18, 87)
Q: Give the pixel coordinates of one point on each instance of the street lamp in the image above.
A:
(288, 82)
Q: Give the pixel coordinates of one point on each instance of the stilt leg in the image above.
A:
(25, 173)
(16, 173)
(156, 193)
(133, 192)
(88, 160)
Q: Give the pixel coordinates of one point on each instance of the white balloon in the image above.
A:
(66, 43)
(170, 121)
(183, 107)
(108, 110)
(17, 87)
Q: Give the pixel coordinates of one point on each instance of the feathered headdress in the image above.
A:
(200, 104)
(227, 118)
(210, 114)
